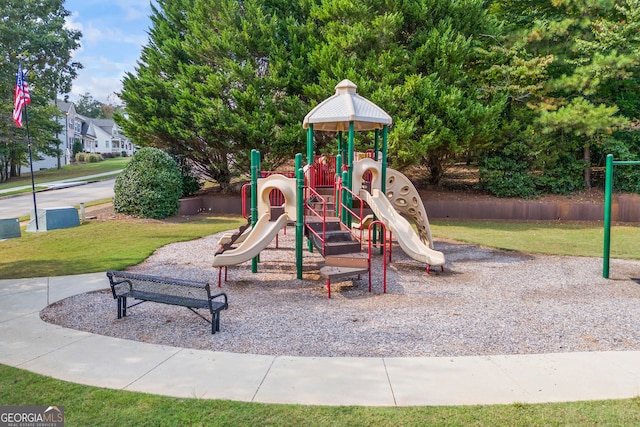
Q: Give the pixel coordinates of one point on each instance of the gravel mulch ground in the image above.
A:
(485, 302)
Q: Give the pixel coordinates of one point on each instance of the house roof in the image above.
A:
(336, 112)
(65, 107)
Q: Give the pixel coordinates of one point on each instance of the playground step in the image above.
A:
(317, 206)
(326, 192)
(354, 260)
(333, 273)
(336, 243)
(316, 224)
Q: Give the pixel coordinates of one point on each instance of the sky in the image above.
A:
(113, 34)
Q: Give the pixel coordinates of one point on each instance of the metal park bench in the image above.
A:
(190, 294)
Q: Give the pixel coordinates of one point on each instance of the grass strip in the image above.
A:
(98, 246)
(543, 238)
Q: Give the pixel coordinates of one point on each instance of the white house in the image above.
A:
(95, 136)
(104, 136)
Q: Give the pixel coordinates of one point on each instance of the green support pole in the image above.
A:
(340, 148)
(343, 198)
(383, 167)
(255, 161)
(376, 144)
(299, 214)
(309, 145)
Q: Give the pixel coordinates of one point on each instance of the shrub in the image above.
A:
(150, 186)
(507, 175)
(94, 158)
(80, 157)
(565, 177)
(76, 148)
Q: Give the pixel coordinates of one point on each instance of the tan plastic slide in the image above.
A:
(401, 228)
(262, 233)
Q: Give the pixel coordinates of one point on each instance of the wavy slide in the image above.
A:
(262, 233)
(401, 228)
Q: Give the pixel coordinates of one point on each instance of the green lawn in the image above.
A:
(98, 246)
(543, 238)
(67, 172)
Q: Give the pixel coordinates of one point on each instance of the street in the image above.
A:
(16, 206)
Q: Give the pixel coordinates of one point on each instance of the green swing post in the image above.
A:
(608, 196)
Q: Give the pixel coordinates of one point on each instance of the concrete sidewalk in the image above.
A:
(29, 343)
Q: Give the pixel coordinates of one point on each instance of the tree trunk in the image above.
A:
(587, 167)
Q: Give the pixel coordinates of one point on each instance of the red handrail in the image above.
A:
(314, 194)
(348, 209)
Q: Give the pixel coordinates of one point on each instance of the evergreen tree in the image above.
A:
(218, 79)
(419, 61)
(584, 56)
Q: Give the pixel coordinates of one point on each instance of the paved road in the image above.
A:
(16, 206)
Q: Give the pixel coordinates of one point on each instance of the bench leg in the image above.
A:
(329, 288)
(215, 322)
(122, 307)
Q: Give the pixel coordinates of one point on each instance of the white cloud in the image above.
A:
(110, 44)
(134, 9)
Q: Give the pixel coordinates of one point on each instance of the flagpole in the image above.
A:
(33, 184)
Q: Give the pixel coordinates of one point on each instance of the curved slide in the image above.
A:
(262, 233)
(407, 238)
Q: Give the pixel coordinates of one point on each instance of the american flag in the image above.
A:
(21, 97)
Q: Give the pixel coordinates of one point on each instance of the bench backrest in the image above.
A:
(123, 282)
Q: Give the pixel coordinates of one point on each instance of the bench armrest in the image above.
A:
(221, 294)
(114, 284)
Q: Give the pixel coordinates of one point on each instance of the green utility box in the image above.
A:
(54, 218)
(9, 228)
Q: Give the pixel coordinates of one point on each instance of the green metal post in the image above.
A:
(343, 199)
(309, 145)
(300, 214)
(383, 167)
(255, 161)
(608, 189)
(376, 144)
(340, 147)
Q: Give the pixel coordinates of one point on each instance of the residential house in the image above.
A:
(102, 136)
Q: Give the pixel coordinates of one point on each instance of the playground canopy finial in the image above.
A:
(336, 112)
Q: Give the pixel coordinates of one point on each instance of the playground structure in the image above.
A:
(333, 199)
